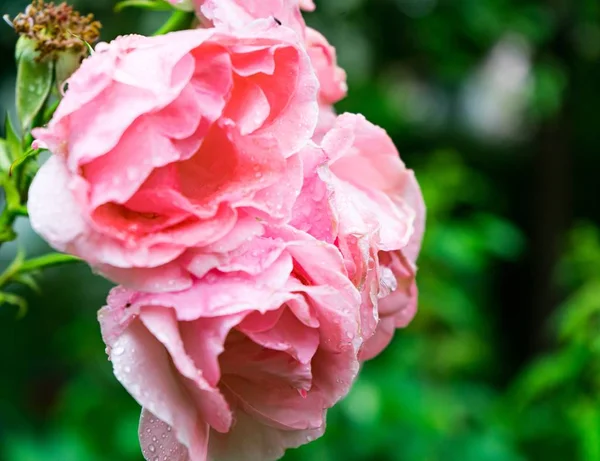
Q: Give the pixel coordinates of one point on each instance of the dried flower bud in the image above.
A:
(56, 28)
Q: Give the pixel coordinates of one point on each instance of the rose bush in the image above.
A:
(165, 144)
(244, 363)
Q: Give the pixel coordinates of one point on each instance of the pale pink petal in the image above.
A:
(53, 211)
(239, 13)
(249, 441)
(143, 367)
(307, 5)
(287, 335)
(209, 402)
(379, 341)
(204, 341)
(159, 440)
(331, 77)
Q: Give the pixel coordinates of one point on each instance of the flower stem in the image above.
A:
(20, 266)
(49, 260)
(179, 20)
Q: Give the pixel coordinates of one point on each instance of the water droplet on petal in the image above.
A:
(118, 350)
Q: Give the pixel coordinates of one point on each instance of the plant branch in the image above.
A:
(179, 20)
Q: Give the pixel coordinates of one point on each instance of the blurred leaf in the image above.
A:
(502, 238)
(580, 314)
(585, 416)
(547, 374)
(549, 85)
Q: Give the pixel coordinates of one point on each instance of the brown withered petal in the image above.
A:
(56, 28)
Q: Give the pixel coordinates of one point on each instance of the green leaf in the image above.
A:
(13, 140)
(145, 4)
(548, 374)
(585, 418)
(29, 281)
(34, 82)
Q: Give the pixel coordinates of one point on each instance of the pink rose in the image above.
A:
(359, 195)
(168, 143)
(240, 13)
(244, 363)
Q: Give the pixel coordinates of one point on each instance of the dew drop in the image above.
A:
(152, 448)
(118, 350)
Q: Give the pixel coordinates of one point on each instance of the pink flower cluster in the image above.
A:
(264, 245)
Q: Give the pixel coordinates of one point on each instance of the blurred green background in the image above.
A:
(494, 104)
